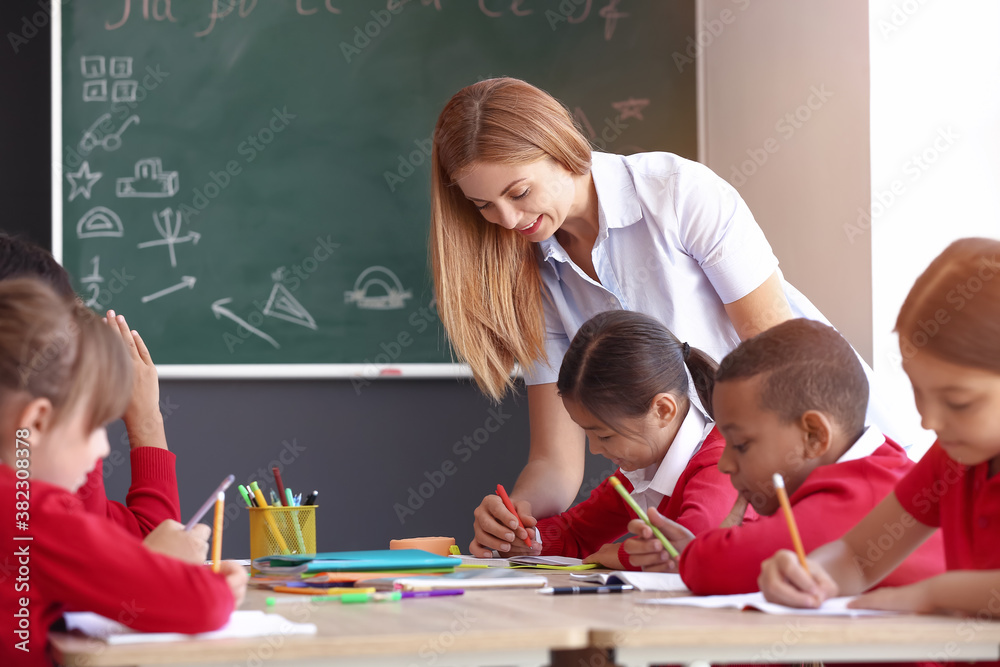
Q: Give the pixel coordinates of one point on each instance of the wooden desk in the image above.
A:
(521, 628)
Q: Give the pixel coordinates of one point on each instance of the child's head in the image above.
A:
(23, 259)
(787, 400)
(623, 381)
(949, 338)
(63, 376)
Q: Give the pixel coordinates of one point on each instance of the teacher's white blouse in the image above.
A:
(676, 242)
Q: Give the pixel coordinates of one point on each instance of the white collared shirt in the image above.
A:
(650, 485)
(676, 242)
(864, 446)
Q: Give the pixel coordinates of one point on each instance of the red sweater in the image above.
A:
(151, 499)
(701, 499)
(78, 560)
(828, 504)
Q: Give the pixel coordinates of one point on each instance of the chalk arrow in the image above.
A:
(221, 312)
(186, 281)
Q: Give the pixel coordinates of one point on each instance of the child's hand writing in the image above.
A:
(915, 598)
(142, 416)
(236, 577)
(783, 580)
(496, 528)
(646, 551)
(170, 539)
(606, 556)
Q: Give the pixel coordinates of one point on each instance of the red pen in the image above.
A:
(510, 506)
(281, 486)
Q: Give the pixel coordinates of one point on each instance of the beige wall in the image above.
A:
(788, 81)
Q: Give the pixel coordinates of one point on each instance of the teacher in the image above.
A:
(533, 233)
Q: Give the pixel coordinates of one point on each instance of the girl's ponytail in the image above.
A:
(702, 368)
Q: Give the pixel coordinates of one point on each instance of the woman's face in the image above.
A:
(532, 199)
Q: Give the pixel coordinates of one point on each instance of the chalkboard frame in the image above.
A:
(361, 372)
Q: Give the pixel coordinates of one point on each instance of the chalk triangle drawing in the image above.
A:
(284, 306)
(99, 221)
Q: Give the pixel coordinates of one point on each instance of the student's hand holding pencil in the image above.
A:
(497, 528)
(170, 539)
(645, 550)
(143, 420)
(785, 581)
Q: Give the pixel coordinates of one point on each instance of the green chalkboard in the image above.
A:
(248, 181)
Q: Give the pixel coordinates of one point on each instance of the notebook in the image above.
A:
(354, 561)
(241, 624)
(464, 579)
(756, 601)
(643, 581)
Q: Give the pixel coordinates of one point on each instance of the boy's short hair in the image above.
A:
(23, 259)
(806, 366)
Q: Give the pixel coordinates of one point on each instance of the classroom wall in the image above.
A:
(785, 115)
(935, 132)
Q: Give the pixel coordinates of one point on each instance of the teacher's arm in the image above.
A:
(547, 485)
(759, 310)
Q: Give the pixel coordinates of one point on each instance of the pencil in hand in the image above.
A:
(779, 487)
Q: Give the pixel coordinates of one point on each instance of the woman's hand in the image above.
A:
(496, 528)
(646, 551)
(783, 580)
(143, 420)
(606, 556)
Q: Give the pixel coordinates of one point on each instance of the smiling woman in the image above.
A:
(533, 233)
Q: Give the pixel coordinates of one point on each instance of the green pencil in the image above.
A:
(630, 501)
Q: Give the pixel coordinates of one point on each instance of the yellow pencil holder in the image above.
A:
(282, 530)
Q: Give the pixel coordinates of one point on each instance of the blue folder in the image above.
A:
(383, 560)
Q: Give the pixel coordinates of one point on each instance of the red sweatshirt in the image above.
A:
(828, 504)
(79, 560)
(700, 501)
(151, 499)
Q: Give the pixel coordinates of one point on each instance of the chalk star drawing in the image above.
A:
(149, 181)
(99, 221)
(394, 297)
(168, 223)
(631, 108)
(82, 181)
(284, 306)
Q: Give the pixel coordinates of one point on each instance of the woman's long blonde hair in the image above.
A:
(486, 278)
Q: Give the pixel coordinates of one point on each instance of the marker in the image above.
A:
(433, 594)
(246, 495)
(275, 502)
(510, 508)
(293, 517)
(298, 499)
(630, 501)
(311, 498)
(220, 500)
(270, 602)
(779, 487)
(208, 503)
(585, 590)
(353, 598)
(279, 484)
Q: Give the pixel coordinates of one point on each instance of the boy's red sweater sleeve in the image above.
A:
(151, 499)
(828, 504)
(586, 527)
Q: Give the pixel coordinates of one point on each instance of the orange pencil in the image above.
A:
(510, 507)
(217, 533)
(779, 487)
